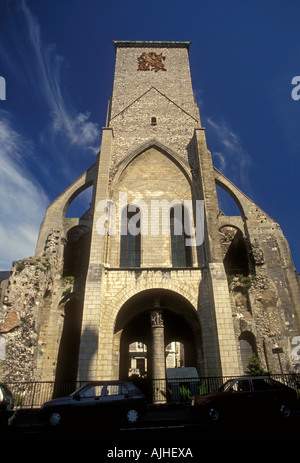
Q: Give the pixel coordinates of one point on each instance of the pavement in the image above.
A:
(162, 426)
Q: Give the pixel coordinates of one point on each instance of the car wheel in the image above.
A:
(285, 411)
(213, 414)
(132, 416)
(55, 419)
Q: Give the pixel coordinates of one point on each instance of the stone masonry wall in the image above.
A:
(29, 284)
(138, 96)
(152, 177)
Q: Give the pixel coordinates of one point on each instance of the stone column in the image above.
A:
(158, 357)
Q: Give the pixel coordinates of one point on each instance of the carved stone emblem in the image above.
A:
(151, 62)
(157, 318)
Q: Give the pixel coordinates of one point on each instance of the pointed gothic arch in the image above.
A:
(238, 197)
(75, 194)
(165, 150)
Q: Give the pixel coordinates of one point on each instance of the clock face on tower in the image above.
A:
(151, 62)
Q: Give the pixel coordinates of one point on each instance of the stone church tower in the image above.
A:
(153, 261)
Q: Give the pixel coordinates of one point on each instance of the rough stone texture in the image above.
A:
(71, 312)
(19, 327)
(35, 287)
(140, 95)
(11, 321)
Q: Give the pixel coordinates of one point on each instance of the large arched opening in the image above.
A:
(151, 326)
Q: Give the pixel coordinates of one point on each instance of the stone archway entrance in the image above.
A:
(151, 321)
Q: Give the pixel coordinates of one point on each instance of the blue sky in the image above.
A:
(57, 59)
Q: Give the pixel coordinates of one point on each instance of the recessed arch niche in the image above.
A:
(181, 324)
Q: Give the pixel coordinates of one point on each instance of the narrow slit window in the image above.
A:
(181, 253)
(130, 250)
(153, 121)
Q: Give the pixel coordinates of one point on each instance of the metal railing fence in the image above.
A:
(32, 394)
(181, 390)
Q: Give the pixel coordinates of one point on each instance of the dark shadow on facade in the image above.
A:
(67, 360)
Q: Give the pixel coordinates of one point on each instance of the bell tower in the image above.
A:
(152, 97)
(154, 153)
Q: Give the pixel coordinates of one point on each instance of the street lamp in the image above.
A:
(278, 350)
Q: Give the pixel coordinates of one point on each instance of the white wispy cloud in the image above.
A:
(23, 201)
(230, 157)
(37, 67)
(76, 128)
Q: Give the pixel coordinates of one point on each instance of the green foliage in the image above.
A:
(245, 281)
(202, 389)
(20, 265)
(67, 291)
(46, 264)
(185, 393)
(42, 265)
(68, 278)
(255, 368)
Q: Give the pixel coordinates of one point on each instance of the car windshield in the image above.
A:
(5, 390)
(225, 386)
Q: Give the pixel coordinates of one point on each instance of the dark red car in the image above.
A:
(246, 395)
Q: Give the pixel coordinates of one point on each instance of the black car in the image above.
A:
(246, 395)
(6, 404)
(98, 403)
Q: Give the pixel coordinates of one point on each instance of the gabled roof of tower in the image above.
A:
(160, 44)
(144, 94)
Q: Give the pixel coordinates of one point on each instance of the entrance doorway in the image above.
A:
(137, 360)
(158, 330)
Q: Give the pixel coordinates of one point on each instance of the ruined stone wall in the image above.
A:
(261, 297)
(257, 309)
(34, 310)
(29, 284)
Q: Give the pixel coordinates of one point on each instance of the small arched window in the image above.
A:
(130, 252)
(179, 223)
